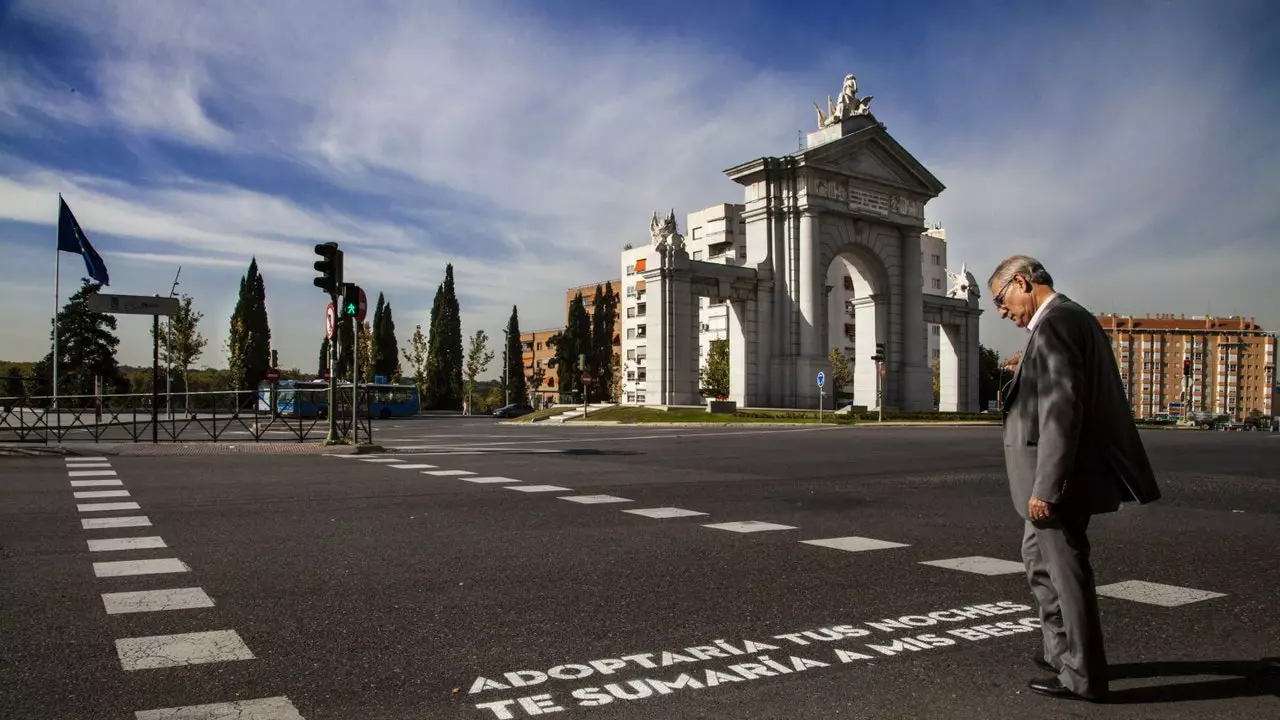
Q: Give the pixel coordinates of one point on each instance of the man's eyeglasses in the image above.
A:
(999, 298)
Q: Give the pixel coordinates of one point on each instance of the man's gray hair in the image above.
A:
(1024, 265)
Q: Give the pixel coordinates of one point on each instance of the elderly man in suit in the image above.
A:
(1071, 450)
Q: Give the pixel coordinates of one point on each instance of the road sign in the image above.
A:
(329, 320)
(364, 306)
(273, 374)
(588, 378)
(133, 304)
(822, 378)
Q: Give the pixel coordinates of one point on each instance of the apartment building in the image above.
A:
(1199, 364)
(537, 350)
(718, 234)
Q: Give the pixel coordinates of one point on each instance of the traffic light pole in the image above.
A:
(355, 382)
(331, 434)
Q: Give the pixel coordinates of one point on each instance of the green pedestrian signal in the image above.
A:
(353, 302)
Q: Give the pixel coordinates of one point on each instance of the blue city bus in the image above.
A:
(388, 400)
(300, 398)
(310, 398)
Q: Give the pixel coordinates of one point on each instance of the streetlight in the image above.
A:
(168, 360)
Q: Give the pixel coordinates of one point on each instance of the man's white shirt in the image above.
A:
(1031, 326)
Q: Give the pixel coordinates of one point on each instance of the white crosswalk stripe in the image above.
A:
(129, 543)
(157, 566)
(1156, 593)
(197, 648)
(664, 512)
(594, 499)
(749, 526)
(120, 603)
(274, 708)
(90, 494)
(853, 543)
(115, 522)
(980, 565)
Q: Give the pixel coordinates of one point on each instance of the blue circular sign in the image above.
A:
(821, 379)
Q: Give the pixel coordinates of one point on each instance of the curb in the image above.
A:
(185, 449)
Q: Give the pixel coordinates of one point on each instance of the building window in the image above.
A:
(631, 269)
(697, 254)
(631, 312)
(631, 333)
(631, 354)
(937, 284)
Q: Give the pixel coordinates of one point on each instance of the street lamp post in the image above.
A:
(168, 360)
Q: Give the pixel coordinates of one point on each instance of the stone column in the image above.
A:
(811, 283)
(917, 390)
(973, 355)
(950, 365)
(869, 315)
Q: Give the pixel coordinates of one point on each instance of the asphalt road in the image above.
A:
(363, 588)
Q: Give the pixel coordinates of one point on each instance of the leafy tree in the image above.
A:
(249, 341)
(367, 350)
(13, 385)
(416, 356)
(86, 349)
(841, 372)
(478, 358)
(714, 376)
(514, 355)
(444, 353)
(181, 343)
(989, 372)
(537, 377)
(615, 378)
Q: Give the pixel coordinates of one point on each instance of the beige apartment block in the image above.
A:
(1204, 365)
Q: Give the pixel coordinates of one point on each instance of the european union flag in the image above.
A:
(73, 240)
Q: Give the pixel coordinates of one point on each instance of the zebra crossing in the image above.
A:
(140, 654)
(1139, 591)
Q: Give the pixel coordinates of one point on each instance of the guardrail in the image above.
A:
(197, 417)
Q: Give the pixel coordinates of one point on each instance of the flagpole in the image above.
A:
(57, 301)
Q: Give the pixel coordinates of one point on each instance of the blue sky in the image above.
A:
(1131, 146)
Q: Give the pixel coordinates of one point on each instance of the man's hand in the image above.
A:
(1038, 509)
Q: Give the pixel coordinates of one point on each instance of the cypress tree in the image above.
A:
(519, 386)
(324, 357)
(249, 339)
(444, 362)
(388, 349)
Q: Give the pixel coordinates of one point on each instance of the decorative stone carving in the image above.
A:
(963, 285)
(907, 206)
(849, 105)
(664, 233)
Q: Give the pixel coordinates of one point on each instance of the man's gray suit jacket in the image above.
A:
(1069, 434)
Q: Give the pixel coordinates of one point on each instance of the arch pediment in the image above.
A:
(872, 156)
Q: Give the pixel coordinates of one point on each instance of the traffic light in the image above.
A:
(1186, 368)
(350, 300)
(330, 268)
(879, 356)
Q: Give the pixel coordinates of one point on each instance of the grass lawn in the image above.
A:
(542, 414)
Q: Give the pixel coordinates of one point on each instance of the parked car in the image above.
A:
(512, 411)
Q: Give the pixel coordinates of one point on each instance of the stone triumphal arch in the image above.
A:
(850, 204)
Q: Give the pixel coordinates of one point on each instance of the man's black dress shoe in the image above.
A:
(1043, 664)
(1055, 689)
